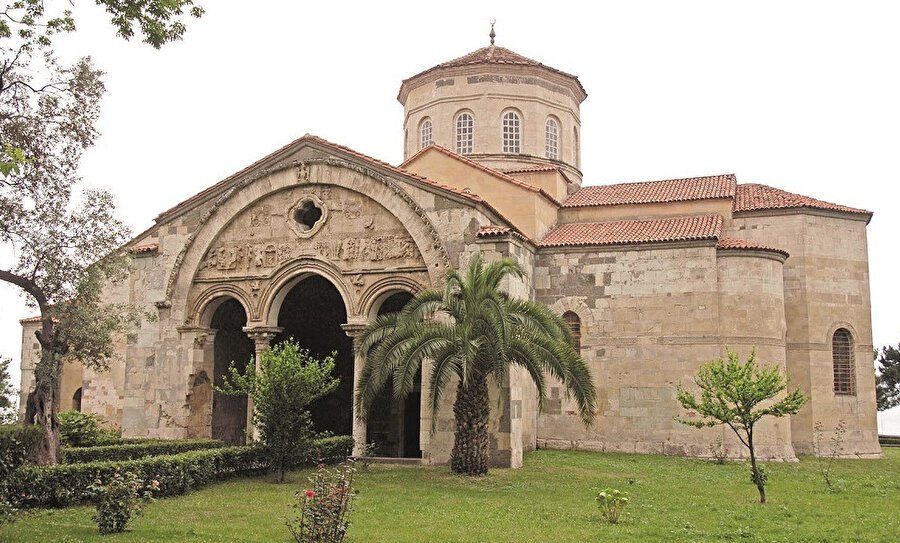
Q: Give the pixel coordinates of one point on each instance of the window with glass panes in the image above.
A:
(465, 133)
(551, 140)
(511, 132)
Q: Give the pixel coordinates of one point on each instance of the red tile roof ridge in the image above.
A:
(662, 191)
(535, 168)
(36, 318)
(494, 231)
(144, 248)
(755, 196)
(629, 232)
(490, 171)
(742, 244)
(494, 54)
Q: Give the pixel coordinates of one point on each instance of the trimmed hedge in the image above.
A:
(17, 444)
(134, 451)
(67, 484)
(116, 440)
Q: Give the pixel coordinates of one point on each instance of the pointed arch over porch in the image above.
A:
(313, 173)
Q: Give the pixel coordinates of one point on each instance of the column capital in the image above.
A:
(262, 334)
(353, 329)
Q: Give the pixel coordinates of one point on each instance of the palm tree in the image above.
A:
(471, 330)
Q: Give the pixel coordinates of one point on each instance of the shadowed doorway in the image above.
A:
(229, 413)
(312, 313)
(393, 425)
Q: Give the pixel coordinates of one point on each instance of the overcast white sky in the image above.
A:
(799, 95)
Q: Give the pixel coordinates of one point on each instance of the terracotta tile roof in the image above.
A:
(31, 320)
(494, 231)
(648, 192)
(752, 197)
(490, 171)
(631, 232)
(740, 244)
(310, 137)
(467, 194)
(144, 249)
(495, 55)
(535, 168)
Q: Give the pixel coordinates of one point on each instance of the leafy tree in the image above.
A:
(472, 331)
(289, 379)
(887, 379)
(67, 245)
(732, 393)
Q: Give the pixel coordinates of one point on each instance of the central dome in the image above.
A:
(497, 107)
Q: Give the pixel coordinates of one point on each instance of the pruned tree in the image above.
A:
(288, 380)
(739, 395)
(887, 377)
(471, 331)
(66, 245)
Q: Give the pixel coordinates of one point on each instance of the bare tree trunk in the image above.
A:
(755, 474)
(45, 404)
(470, 447)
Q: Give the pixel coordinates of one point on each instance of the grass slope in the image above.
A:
(550, 499)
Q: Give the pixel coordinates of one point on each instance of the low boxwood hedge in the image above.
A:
(133, 451)
(17, 444)
(67, 484)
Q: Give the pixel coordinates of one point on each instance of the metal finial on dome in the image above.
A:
(493, 34)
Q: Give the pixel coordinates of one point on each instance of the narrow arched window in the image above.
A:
(575, 148)
(842, 358)
(465, 133)
(512, 132)
(76, 400)
(574, 322)
(551, 138)
(425, 134)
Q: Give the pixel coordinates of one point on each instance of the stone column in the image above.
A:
(359, 426)
(262, 337)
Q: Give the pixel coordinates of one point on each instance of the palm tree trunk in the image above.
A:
(472, 409)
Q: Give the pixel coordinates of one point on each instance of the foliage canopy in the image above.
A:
(288, 380)
(739, 395)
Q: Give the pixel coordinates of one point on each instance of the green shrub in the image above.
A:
(17, 444)
(119, 499)
(68, 484)
(287, 381)
(78, 429)
(133, 451)
(611, 503)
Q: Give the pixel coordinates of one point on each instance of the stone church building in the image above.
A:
(315, 240)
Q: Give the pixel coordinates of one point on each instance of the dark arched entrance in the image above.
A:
(393, 425)
(312, 313)
(229, 413)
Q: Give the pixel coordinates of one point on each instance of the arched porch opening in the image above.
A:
(231, 344)
(312, 313)
(394, 425)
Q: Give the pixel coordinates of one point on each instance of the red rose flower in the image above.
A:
(310, 494)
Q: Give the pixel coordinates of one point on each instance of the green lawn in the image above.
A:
(550, 499)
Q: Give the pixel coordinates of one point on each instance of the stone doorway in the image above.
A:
(312, 313)
(229, 413)
(394, 425)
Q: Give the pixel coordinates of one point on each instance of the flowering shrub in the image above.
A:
(120, 499)
(323, 510)
(719, 451)
(612, 502)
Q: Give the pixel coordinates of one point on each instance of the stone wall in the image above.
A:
(650, 316)
(826, 285)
